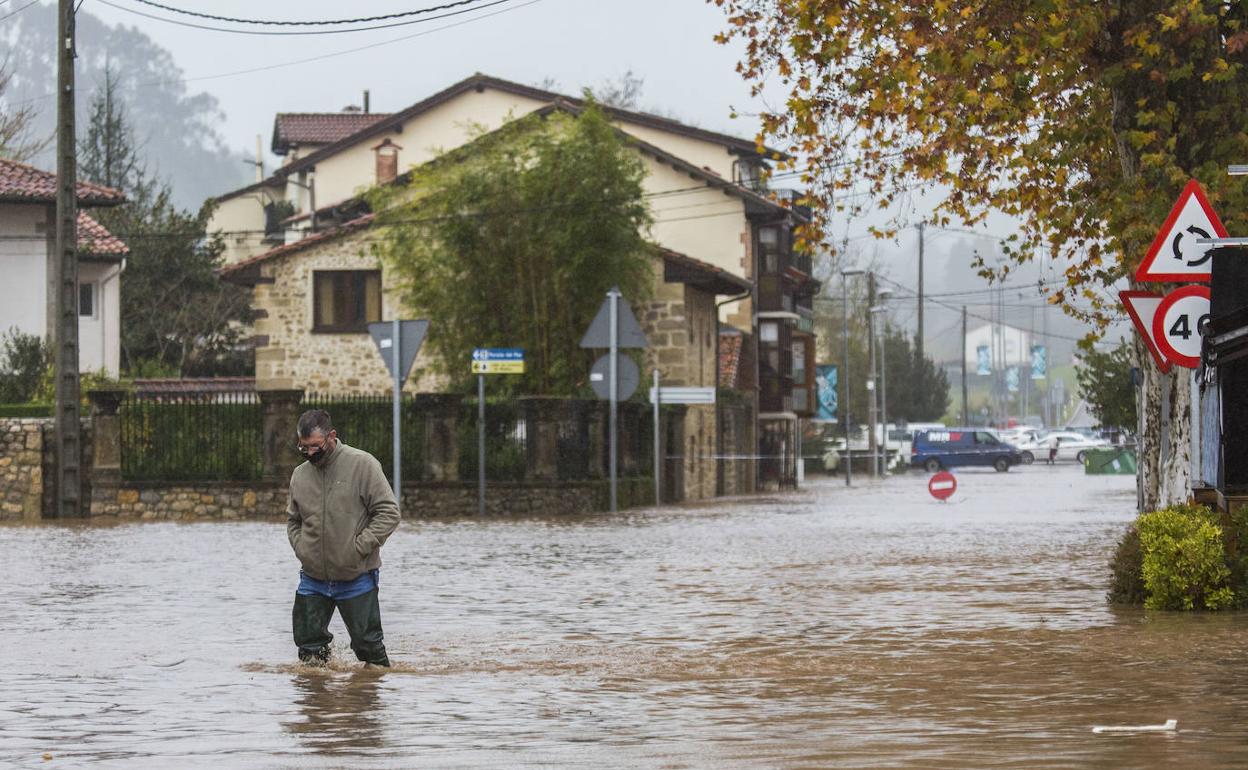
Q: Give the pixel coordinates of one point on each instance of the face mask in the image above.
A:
(315, 455)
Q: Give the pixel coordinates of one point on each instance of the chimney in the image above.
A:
(386, 156)
(365, 101)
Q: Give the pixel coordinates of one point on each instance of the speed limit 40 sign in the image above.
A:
(1176, 324)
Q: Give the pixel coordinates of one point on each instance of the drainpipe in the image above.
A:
(719, 433)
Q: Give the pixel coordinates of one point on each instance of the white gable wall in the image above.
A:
(24, 266)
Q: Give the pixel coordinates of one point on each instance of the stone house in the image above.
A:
(704, 190)
(28, 263)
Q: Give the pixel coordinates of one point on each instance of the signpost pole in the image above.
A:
(613, 386)
(658, 495)
(398, 394)
(481, 444)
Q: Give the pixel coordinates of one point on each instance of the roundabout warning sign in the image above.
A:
(1170, 324)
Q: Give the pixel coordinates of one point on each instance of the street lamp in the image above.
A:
(849, 457)
(874, 311)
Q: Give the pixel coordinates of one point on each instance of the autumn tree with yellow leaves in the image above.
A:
(1081, 118)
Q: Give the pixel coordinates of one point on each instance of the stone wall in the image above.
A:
(211, 500)
(679, 322)
(232, 500)
(21, 468)
(293, 356)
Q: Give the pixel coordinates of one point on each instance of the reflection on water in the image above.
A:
(339, 714)
(871, 627)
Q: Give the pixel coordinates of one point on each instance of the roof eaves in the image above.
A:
(240, 269)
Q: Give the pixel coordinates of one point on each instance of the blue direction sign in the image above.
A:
(498, 361)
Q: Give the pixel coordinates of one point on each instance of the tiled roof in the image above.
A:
(95, 241)
(244, 272)
(481, 82)
(194, 385)
(682, 268)
(20, 183)
(319, 127)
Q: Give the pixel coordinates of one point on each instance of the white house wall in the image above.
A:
(24, 266)
(1017, 345)
(99, 334)
(701, 222)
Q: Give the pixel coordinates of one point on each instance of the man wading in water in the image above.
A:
(340, 513)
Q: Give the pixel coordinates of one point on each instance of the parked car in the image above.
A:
(1074, 446)
(936, 449)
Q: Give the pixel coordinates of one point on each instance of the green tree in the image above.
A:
(1105, 383)
(918, 390)
(23, 358)
(175, 313)
(514, 240)
(1081, 118)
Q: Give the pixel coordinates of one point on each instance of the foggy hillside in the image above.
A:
(177, 129)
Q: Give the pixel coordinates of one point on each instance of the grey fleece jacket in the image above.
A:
(340, 513)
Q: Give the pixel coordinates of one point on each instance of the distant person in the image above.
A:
(1053, 444)
(340, 513)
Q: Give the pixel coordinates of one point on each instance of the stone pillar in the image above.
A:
(441, 413)
(281, 415)
(106, 441)
(544, 420)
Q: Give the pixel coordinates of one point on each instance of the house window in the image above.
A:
(345, 300)
(86, 300)
(769, 249)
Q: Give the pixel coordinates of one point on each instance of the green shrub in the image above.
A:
(26, 410)
(1184, 561)
(1126, 567)
(22, 361)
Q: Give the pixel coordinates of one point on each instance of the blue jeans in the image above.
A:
(338, 589)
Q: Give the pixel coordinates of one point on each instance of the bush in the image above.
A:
(1184, 561)
(22, 361)
(1127, 582)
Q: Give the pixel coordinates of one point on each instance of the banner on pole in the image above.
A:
(1011, 379)
(1039, 362)
(826, 382)
(985, 362)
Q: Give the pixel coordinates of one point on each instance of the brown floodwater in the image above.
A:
(872, 627)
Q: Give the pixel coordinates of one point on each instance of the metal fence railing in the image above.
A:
(506, 438)
(191, 437)
(367, 422)
(219, 436)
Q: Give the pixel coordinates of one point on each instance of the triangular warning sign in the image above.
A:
(628, 331)
(1142, 306)
(1175, 256)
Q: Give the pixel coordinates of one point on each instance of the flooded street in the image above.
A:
(871, 627)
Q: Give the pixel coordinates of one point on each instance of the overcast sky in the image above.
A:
(668, 43)
(576, 42)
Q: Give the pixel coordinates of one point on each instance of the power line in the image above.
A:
(1049, 335)
(306, 60)
(19, 10)
(270, 33)
(301, 23)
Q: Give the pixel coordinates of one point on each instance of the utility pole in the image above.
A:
(871, 393)
(68, 428)
(918, 336)
(966, 409)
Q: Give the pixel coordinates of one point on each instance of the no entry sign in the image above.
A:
(942, 485)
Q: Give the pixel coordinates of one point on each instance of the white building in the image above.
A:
(28, 264)
(1007, 346)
